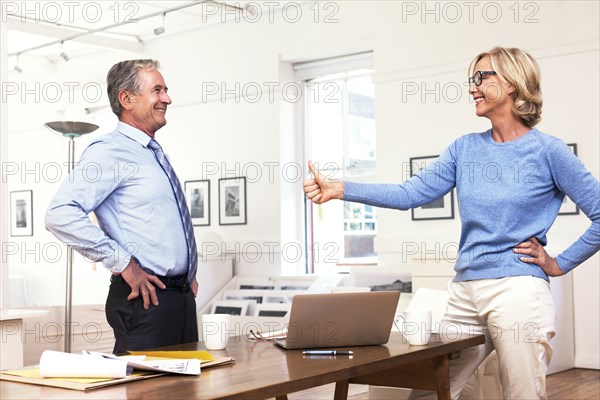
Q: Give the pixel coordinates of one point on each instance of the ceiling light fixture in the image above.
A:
(161, 29)
(62, 54)
(17, 68)
(90, 32)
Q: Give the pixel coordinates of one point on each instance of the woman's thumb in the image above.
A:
(313, 169)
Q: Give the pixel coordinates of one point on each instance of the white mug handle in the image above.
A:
(399, 316)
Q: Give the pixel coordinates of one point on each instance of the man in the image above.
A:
(145, 236)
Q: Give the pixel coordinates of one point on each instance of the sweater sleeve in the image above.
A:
(425, 186)
(574, 180)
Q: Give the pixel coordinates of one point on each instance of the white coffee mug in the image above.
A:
(416, 326)
(215, 330)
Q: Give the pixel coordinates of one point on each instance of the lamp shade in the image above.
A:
(71, 128)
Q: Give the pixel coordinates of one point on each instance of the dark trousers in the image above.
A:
(172, 322)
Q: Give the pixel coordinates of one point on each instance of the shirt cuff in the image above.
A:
(116, 264)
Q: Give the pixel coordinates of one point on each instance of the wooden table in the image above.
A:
(263, 370)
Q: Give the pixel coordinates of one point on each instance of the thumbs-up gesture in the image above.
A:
(321, 189)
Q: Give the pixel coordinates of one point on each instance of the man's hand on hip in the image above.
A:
(195, 287)
(141, 282)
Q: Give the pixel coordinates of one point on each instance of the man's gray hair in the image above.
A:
(124, 76)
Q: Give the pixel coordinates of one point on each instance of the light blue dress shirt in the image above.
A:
(120, 180)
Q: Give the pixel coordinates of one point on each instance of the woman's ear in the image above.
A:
(510, 89)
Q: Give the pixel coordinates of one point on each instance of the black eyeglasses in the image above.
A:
(477, 77)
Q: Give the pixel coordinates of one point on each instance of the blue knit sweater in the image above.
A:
(507, 193)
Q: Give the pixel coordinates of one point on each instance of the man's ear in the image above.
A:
(126, 99)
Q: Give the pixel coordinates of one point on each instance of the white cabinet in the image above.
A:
(11, 329)
(563, 344)
(283, 287)
(432, 274)
(213, 274)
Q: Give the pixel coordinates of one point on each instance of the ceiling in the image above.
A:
(45, 29)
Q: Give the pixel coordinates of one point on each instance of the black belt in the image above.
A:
(178, 281)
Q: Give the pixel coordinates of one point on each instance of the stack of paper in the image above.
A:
(56, 364)
(95, 370)
(206, 359)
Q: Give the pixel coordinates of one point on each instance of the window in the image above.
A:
(340, 139)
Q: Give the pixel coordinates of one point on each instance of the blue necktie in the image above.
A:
(183, 210)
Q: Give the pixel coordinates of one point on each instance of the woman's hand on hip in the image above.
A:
(538, 255)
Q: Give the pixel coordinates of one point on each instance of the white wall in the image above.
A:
(205, 134)
(4, 188)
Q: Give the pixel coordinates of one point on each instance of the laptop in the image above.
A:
(340, 320)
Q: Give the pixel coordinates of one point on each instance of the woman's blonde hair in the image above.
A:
(522, 72)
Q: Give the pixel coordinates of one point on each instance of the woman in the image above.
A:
(501, 286)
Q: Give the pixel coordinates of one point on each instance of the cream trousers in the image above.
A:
(517, 316)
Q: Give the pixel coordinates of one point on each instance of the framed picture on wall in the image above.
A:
(232, 201)
(231, 307)
(197, 195)
(568, 207)
(442, 208)
(21, 213)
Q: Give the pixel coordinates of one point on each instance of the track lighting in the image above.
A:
(250, 9)
(62, 54)
(17, 68)
(161, 29)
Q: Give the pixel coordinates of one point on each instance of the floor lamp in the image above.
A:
(71, 130)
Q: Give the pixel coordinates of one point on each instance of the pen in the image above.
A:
(328, 352)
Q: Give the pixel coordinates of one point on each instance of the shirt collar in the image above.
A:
(133, 133)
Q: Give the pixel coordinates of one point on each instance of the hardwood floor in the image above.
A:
(574, 384)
